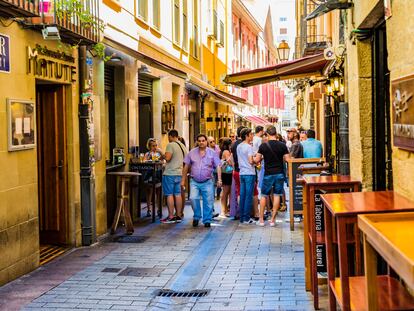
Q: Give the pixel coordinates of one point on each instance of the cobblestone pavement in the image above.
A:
(242, 267)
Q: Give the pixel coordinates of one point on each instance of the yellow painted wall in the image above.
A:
(400, 28)
(19, 229)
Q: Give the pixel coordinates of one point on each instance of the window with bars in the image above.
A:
(143, 9)
(176, 22)
(156, 14)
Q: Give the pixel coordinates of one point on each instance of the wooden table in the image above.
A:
(123, 201)
(295, 188)
(153, 167)
(391, 236)
(314, 237)
(342, 210)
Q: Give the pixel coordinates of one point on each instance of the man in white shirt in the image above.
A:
(247, 175)
(257, 139)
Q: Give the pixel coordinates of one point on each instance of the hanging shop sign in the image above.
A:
(403, 112)
(4, 53)
(55, 65)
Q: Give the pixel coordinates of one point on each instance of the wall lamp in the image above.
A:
(335, 84)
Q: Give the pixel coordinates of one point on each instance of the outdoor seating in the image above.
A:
(341, 216)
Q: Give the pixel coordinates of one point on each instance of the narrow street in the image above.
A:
(241, 268)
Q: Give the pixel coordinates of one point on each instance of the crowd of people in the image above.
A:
(239, 170)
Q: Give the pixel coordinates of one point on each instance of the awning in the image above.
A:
(257, 120)
(220, 96)
(299, 68)
(252, 118)
(327, 6)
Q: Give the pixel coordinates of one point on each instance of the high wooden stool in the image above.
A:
(123, 202)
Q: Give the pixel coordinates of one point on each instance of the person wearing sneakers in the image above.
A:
(274, 153)
(247, 175)
(201, 162)
(171, 179)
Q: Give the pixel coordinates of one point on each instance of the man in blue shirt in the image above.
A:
(312, 148)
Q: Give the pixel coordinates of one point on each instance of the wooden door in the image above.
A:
(52, 163)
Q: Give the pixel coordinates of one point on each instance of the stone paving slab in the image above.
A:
(243, 267)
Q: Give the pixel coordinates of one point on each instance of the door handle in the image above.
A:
(60, 168)
(60, 164)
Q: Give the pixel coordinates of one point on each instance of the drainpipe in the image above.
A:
(87, 181)
(343, 139)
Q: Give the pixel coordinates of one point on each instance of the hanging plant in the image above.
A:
(76, 8)
(69, 9)
(99, 51)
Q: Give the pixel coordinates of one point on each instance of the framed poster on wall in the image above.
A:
(21, 124)
(403, 112)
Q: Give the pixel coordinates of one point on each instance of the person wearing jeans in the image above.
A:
(205, 190)
(201, 162)
(274, 153)
(247, 175)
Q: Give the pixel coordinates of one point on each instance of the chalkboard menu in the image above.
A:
(297, 189)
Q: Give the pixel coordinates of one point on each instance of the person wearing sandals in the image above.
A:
(175, 153)
(154, 154)
(274, 153)
(226, 175)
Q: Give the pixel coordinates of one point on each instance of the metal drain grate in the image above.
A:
(111, 270)
(172, 293)
(144, 272)
(130, 239)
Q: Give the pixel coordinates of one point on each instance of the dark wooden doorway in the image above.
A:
(381, 112)
(145, 122)
(52, 163)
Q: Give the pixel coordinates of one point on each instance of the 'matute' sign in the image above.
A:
(50, 64)
(4, 53)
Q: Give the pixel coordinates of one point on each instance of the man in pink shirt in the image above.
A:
(201, 162)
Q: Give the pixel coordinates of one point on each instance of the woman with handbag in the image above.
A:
(226, 175)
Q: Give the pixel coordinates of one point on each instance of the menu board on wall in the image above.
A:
(403, 112)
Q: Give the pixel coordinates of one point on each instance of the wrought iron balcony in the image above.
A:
(311, 45)
(77, 21)
(19, 8)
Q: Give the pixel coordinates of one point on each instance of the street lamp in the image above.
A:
(283, 51)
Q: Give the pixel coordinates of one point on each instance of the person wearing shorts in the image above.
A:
(171, 179)
(274, 154)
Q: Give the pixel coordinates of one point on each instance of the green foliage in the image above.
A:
(76, 8)
(99, 50)
(71, 8)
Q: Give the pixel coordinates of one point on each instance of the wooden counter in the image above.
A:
(341, 211)
(391, 236)
(314, 237)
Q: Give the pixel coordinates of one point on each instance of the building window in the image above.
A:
(143, 9)
(185, 26)
(221, 33)
(283, 31)
(195, 28)
(215, 24)
(156, 14)
(283, 19)
(176, 22)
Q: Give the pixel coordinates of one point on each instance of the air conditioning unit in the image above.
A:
(51, 33)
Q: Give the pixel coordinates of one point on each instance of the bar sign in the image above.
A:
(4, 53)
